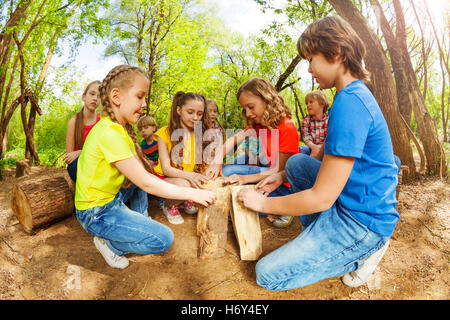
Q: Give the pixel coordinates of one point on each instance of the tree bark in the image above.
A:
(408, 91)
(382, 84)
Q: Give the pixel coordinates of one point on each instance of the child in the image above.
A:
(212, 111)
(147, 127)
(265, 112)
(80, 125)
(176, 145)
(314, 127)
(108, 158)
(346, 203)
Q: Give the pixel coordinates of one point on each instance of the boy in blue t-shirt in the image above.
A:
(147, 127)
(345, 198)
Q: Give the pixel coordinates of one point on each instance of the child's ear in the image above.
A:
(179, 110)
(114, 96)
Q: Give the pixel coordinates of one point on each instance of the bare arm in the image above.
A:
(71, 154)
(136, 173)
(330, 182)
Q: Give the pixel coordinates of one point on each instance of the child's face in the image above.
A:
(212, 112)
(91, 98)
(191, 112)
(314, 108)
(147, 131)
(324, 71)
(253, 106)
(131, 102)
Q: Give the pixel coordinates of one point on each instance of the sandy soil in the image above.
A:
(61, 262)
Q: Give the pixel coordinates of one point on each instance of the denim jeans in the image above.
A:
(331, 243)
(72, 170)
(304, 149)
(126, 230)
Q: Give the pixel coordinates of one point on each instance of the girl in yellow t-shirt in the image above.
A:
(178, 151)
(109, 156)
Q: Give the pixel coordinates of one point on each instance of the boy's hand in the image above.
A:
(315, 150)
(251, 199)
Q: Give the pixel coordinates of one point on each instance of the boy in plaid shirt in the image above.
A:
(315, 125)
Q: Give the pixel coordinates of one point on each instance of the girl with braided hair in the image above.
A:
(109, 157)
(79, 126)
(177, 152)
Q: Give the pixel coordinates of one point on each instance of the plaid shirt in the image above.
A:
(315, 130)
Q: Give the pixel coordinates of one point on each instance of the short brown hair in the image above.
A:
(146, 121)
(334, 36)
(320, 97)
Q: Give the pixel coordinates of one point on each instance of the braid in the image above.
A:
(117, 77)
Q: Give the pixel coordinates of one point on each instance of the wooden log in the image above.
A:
(247, 228)
(212, 222)
(23, 167)
(41, 202)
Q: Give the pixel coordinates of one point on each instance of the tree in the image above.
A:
(409, 95)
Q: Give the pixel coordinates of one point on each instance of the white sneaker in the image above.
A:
(363, 273)
(282, 221)
(172, 214)
(189, 208)
(110, 257)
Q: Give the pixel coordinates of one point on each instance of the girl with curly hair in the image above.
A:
(269, 120)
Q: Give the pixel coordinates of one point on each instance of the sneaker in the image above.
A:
(363, 273)
(110, 257)
(189, 208)
(282, 221)
(173, 215)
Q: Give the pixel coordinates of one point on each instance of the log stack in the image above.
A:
(42, 201)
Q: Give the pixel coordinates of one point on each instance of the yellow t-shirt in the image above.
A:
(98, 180)
(188, 163)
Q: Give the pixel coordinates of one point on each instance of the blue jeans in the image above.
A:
(126, 230)
(72, 170)
(304, 149)
(332, 242)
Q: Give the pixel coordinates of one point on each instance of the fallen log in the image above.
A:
(41, 202)
(247, 228)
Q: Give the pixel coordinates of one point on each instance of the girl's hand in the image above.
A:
(234, 179)
(213, 171)
(204, 197)
(269, 184)
(251, 199)
(197, 180)
(314, 151)
(71, 156)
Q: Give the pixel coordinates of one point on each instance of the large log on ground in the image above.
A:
(41, 202)
(247, 228)
(212, 222)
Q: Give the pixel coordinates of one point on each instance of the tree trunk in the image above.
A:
(408, 91)
(40, 202)
(382, 84)
(23, 167)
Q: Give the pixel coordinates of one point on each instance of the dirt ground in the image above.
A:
(61, 262)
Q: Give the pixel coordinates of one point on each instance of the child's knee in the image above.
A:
(228, 170)
(296, 161)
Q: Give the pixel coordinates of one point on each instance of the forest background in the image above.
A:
(185, 45)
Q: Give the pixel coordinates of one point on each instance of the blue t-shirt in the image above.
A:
(357, 128)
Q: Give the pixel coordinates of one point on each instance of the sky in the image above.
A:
(244, 16)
